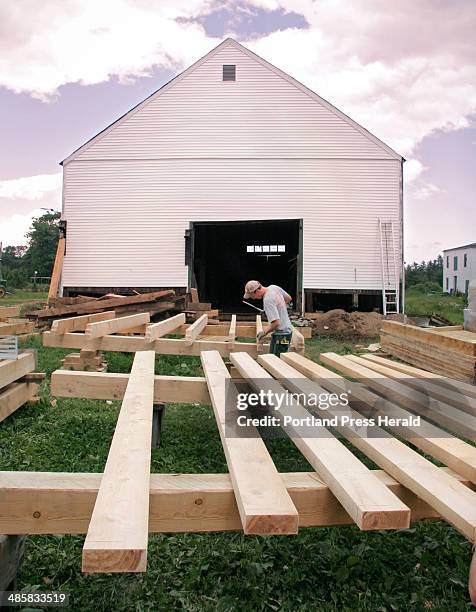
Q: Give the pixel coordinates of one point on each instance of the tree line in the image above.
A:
(426, 276)
(20, 263)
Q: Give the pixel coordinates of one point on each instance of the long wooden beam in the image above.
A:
(263, 502)
(15, 395)
(162, 328)
(447, 416)
(195, 329)
(12, 370)
(72, 324)
(365, 499)
(118, 532)
(57, 267)
(451, 451)
(132, 344)
(455, 503)
(112, 326)
(9, 311)
(437, 379)
(112, 386)
(40, 503)
(438, 392)
(243, 330)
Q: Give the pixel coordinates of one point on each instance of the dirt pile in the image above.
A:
(342, 323)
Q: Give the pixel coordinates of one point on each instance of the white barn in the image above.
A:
(235, 170)
(459, 268)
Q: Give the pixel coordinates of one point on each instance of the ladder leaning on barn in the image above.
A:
(389, 268)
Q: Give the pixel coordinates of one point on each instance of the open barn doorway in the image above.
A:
(225, 254)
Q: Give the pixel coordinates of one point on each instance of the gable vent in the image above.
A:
(229, 72)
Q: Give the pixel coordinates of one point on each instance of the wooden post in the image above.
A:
(58, 265)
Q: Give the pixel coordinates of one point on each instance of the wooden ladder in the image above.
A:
(389, 268)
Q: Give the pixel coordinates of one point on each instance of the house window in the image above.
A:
(455, 284)
(466, 286)
(465, 260)
(229, 72)
(455, 262)
(447, 284)
(447, 261)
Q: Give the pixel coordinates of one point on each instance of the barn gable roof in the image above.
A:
(260, 60)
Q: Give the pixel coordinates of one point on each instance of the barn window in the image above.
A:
(229, 72)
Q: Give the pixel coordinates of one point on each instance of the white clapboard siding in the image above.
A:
(127, 219)
(261, 147)
(259, 115)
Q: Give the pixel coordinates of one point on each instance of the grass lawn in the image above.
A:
(20, 296)
(423, 568)
(448, 306)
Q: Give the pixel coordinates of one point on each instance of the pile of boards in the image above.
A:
(18, 382)
(449, 351)
(11, 323)
(154, 302)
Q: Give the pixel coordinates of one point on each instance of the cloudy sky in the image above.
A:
(405, 70)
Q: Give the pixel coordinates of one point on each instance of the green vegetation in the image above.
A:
(443, 304)
(21, 296)
(429, 274)
(36, 258)
(423, 568)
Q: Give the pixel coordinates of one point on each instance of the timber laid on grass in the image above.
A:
(117, 510)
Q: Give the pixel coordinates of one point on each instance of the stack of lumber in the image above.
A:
(87, 361)
(17, 382)
(10, 323)
(153, 303)
(449, 351)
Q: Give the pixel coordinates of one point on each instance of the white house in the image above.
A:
(234, 170)
(459, 268)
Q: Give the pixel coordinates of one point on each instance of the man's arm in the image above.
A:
(271, 327)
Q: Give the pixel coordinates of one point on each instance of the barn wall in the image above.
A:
(260, 115)
(126, 219)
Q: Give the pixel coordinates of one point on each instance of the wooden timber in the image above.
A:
(112, 386)
(57, 267)
(62, 326)
(263, 502)
(447, 416)
(457, 504)
(195, 329)
(451, 383)
(451, 451)
(118, 532)
(40, 503)
(97, 305)
(17, 327)
(131, 344)
(439, 392)
(6, 312)
(447, 352)
(98, 329)
(358, 491)
(232, 330)
(12, 370)
(15, 395)
(162, 328)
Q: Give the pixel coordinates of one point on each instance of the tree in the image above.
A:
(42, 242)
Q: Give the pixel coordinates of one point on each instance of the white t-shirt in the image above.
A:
(275, 308)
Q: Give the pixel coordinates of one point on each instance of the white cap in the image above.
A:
(250, 287)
